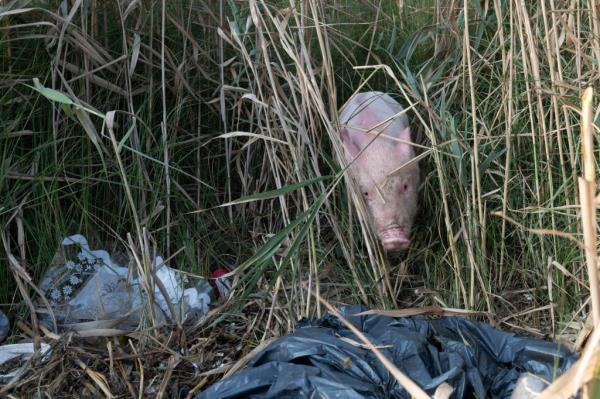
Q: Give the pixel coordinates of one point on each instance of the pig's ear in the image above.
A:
(350, 148)
(405, 134)
(404, 149)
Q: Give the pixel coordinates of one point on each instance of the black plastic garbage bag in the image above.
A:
(324, 359)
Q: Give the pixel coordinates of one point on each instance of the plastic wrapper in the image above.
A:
(84, 285)
(528, 386)
(323, 359)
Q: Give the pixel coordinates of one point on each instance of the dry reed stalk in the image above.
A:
(507, 64)
(475, 163)
(587, 187)
(163, 126)
(98, 378)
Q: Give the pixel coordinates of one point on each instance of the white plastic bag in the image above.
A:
(86, 285)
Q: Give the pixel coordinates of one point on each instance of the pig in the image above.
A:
(390, 192)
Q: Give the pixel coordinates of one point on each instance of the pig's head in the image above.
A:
(389, 188)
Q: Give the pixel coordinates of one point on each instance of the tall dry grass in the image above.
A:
(210, 126)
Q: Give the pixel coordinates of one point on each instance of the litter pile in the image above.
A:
(96, 294)
(325, 359)
(85, 285)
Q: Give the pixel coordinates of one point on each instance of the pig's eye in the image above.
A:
(405, 187)
(366, 194)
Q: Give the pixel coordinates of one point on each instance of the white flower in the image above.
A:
(74, 280)
(67, 290)
(81, 256)
(55, 294)
(78, 268)
(70, 265)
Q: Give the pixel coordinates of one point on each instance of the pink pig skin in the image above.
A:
(390, 194)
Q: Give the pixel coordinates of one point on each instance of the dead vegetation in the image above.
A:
(210, 126)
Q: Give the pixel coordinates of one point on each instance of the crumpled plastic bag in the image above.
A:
(324, 359)
(85, 285)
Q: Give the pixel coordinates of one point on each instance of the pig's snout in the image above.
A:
(394, 239)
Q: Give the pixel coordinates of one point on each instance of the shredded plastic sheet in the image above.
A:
(324, 359)
(19, 351)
